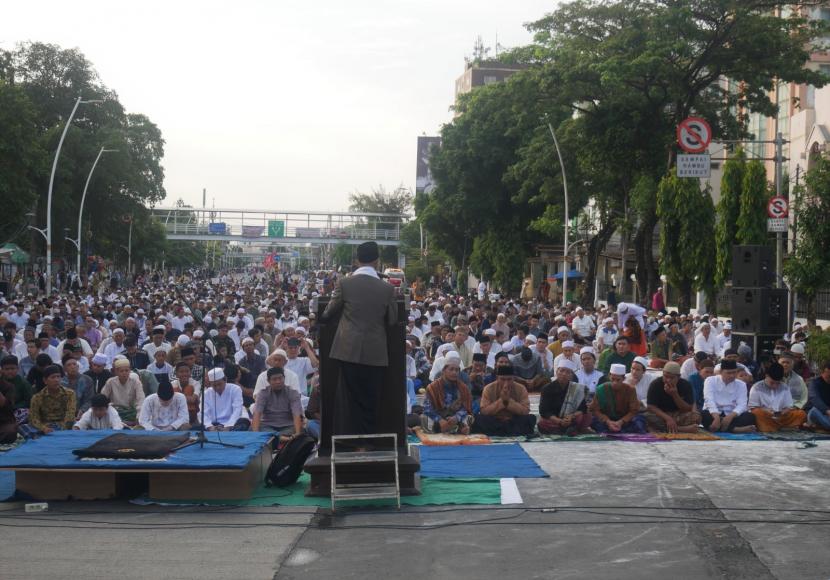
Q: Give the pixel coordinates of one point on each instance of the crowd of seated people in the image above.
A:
(243, 354)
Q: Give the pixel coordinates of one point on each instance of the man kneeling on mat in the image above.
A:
(448, 404)
(100, 416)
(772, 404)
(165, 410)
(615, 407)
(562, 406)
(53, 407)
(223, 404)
(725, 402)
(671, 403)
(505, 407)
(278, 407)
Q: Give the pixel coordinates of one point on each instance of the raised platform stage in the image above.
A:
(46, 469)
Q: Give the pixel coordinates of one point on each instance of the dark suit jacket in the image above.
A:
(367, 307)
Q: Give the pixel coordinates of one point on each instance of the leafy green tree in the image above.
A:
(50, 79)
(498, 256)
(687, 226)
(752, 219)
(397, 202)
(655, 62)
(473, 193)
(808, 267)
(21, 160)
(342, 255)
(728, 210)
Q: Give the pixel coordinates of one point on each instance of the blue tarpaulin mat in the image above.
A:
(470, 461)
(740, 436)
(54, 451)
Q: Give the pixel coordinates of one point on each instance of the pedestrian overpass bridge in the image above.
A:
(286, 228)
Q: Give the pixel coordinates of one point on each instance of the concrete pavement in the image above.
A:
(614, 510)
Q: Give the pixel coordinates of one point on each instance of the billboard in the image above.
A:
(308, 232)
(423, 176)
(252, 231)
(217, 228)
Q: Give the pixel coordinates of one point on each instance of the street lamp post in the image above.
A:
(47, 232)
(129, 246)
(565, 187)
(77, 242)
(31, 217)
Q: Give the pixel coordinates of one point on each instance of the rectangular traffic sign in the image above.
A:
(276, 229)
(777, 225)
(694, 165)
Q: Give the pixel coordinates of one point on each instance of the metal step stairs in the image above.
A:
(369, 490)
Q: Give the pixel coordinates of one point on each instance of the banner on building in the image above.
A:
(424, 182)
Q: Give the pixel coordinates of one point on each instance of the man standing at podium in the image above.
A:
(366, 306)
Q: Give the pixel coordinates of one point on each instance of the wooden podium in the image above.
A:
(391, 413)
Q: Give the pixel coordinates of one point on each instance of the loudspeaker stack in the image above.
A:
(759, 311)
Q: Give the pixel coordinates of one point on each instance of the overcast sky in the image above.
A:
(280, 104)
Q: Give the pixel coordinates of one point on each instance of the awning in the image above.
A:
(14, 253)
(572, 274)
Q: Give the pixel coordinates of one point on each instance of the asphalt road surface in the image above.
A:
(611, 510)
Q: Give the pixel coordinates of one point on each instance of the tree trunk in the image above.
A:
(684, 302)
(712, 302)
(647, 276)
(595, 248)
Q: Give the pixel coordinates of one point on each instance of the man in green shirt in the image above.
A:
(620, 355)
(53, 407)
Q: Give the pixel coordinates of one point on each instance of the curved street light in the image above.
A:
(77, 242)
(565, 187)
(47, 232)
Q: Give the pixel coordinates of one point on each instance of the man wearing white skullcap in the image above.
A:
(607, 335)
(615, 407)
(563, 404)
(563, 333)
(223, 403)
(626, 310)
(588, 375)
(568, 354)
(583, 325)
(638, 378)
(124, 390)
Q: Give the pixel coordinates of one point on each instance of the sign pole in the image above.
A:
(779, 236)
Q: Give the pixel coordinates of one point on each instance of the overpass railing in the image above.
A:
(272, 225)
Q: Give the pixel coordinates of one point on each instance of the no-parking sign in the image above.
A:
(694, 135)
(777, 207)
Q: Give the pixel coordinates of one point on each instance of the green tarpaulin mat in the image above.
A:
(434, 491)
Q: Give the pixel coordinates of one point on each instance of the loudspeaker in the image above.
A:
(753, 266)
(761, 344)
(4, 287)
(759, 310)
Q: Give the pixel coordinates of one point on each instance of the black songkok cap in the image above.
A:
(505, 371)
(367, 252)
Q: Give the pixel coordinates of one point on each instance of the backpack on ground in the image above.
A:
(286, 467)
